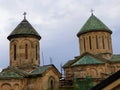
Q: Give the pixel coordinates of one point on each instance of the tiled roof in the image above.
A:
(24, 29)
(115, 58)
(8, 74)
(67, 64)
(15, 73)
(88, 58)
(12, 72)
(93, 24)
(19, 71)
(85, 59)
(41, 69)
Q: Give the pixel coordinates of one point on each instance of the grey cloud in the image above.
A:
(58, 22)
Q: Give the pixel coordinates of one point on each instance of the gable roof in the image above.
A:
(115, 58)
(68, 63)
(93, 24)
(107, 81)
(85, 59)
(43, 69)
(15, 73)
(12, 73)
(24, 29)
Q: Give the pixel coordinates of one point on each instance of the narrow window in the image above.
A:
(108, 43)
(14, 52)
(36, 52)
(96, 42)
(51, 84)
(90, 42)
(84, 44)
(103, 44)
(80, 40)
(26, 51)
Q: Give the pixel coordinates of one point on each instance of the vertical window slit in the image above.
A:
(103, 44)
(96, 42)
(26, 51)
(36, 53)
(90, 42)
(14, 52)
(84, 44)
(108, 43)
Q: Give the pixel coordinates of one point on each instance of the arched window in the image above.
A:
(16, 86)
(51, 83)
(15, 52)
(90, 42)
(6, 86)
(84, 44)
(26, 51)
(103, 44)
(96, 42)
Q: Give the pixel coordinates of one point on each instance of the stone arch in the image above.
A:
(35, 46)
(6, 86)
(14, 44)
(51, 83)
(16, 87)
(93, 72)
(26, 46)
(34, 43)
(100, 71)
(83, 74)
(14, 41)
(25, 41)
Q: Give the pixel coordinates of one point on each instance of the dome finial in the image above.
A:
(24, 15)
(91, 11)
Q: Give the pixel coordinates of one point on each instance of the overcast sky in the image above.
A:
(58, 22)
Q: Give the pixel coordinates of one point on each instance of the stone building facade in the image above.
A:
(24, 72)
(110, 83)
(96, 58)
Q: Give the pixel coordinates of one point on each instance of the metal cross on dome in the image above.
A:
(24, 15)
(92, 11)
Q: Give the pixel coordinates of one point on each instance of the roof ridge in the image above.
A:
(7, 73)
(92, 61)
(70, 62)
(20, 72)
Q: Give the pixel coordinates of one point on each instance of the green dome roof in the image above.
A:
(24, 29)
(93, 24)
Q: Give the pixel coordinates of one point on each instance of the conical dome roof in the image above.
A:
(93, 24)
(24, 29)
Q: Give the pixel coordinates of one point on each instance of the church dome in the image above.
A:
(24, 29)
(93, 24)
